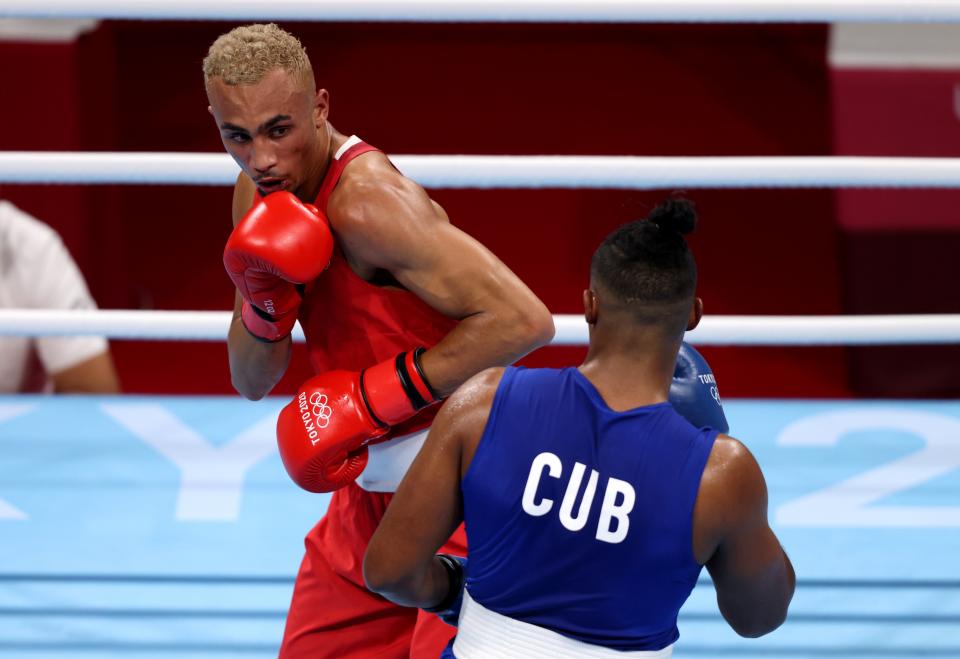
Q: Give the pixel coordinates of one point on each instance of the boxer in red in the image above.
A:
(398, 306)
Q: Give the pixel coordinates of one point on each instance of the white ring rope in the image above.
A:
(571, 329)
(605, 172)
(543, 11)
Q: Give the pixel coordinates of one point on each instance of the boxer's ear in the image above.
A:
(321, 106)
(696, 313)
(591, 306)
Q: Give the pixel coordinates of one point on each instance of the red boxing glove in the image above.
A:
(279, 243)
(324, 431)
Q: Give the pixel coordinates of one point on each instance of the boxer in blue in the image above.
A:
(592, 496)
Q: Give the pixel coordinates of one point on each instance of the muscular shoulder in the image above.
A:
(476, 393)
(463, 418)
(369, 172)
(372, 193)
(732, 473)
(732, 495)
(468, 407)
(728, 458)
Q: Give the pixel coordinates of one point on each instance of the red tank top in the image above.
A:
(351, 324)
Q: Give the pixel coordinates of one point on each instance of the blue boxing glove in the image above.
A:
(448, 609)
(693, 391)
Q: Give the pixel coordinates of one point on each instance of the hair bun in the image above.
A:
(675, 214)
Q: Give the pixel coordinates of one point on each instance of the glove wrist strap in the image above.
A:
(396, 389)
(414, 382)
(455, 575)
(264, 328)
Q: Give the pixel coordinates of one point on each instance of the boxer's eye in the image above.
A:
(279, 131)
(239, 138)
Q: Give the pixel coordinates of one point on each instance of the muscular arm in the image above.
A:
(752, 574)
(387, 221)
(95, 375)
(255, 366)
(427, 507)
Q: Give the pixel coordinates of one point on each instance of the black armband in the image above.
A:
(454, 596)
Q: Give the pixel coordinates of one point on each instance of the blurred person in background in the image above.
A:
(37, 272)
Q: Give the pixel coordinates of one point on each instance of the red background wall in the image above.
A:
(446, 89)
(899, 247)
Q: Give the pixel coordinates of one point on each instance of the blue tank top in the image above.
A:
(579, 518)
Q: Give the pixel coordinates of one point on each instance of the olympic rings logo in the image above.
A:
(320, 409)
(715, 393)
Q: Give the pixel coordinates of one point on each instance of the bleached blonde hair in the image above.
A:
(246, 54)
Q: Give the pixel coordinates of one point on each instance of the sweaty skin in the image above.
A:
(731, 536)
(277, 131)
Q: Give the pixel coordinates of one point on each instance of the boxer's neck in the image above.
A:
(631, 368)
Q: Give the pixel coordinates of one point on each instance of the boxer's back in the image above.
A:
(579, 517)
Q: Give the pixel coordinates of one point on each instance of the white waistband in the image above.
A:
(389, 462)
(483, 634)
